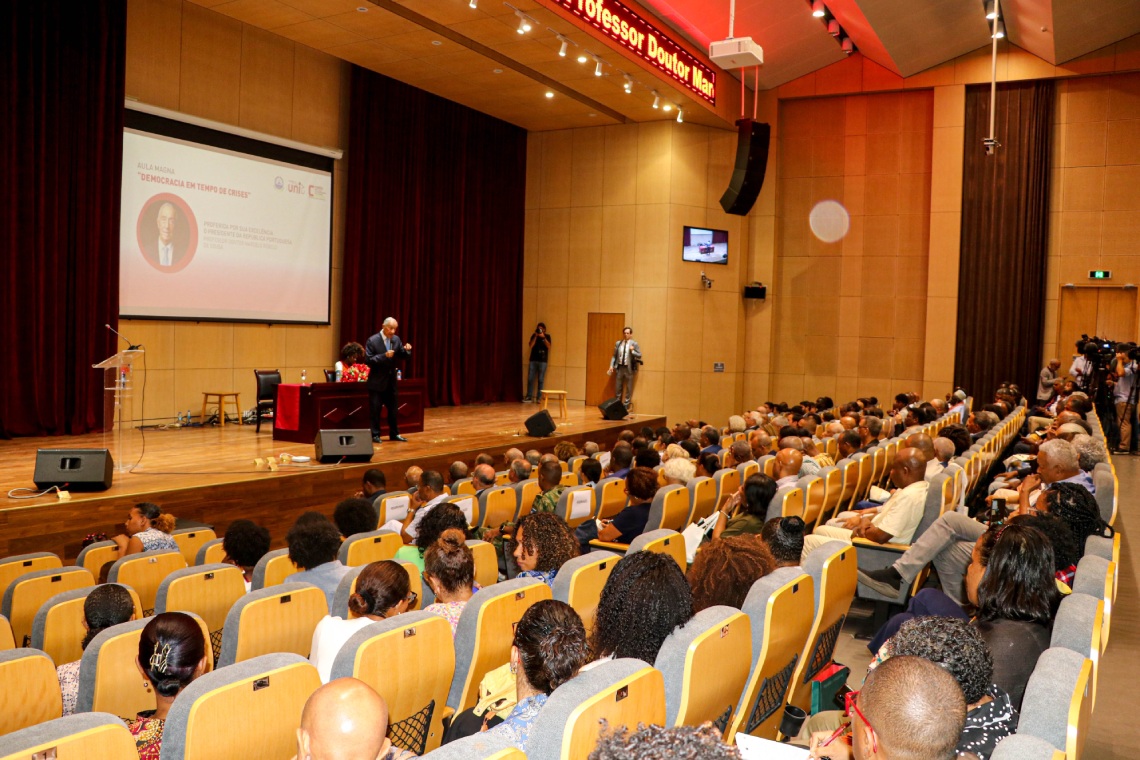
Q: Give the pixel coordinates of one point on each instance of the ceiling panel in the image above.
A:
(920, 34)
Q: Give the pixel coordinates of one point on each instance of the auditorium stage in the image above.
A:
(209, 475)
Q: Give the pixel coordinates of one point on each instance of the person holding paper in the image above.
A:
(383, 353)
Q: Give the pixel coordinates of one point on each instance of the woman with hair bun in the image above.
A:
(548, 650)
(382, 591)
(147, 530)
(172, 653)
(449, 569)
(106, 605)
(784, 537)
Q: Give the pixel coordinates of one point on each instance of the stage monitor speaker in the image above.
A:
(751, 162)
(613, 409)
(74, 469)
(540, 424)
(344, 445)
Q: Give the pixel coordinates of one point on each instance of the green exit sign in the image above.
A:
(1100, 274)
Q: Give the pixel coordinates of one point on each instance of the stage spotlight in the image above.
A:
(817, 9)
(833, 28)
(549, 94)
(473, 4)
(582, 58)
(680, 115)
(656, 100)
(524, 23)
(628, 86)
(597, 68)
(999, 29)
(847, 45)
(991, 10)
(565, 45)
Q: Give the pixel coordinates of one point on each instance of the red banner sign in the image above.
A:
(634, 33)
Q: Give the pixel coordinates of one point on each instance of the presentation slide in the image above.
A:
(213, 234)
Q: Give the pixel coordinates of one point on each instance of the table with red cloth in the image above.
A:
(304, 409)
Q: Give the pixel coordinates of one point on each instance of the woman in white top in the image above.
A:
(383, 590)
(147, 530)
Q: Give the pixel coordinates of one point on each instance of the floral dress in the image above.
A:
(147, 731)
(449, 611)
(516, 728)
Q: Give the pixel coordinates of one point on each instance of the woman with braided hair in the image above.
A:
(106, 605)
(1074, 504)
(383, 590)
(172, 653)
(725, 569)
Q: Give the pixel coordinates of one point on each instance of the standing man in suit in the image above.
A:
(382, 353)
(624, 363)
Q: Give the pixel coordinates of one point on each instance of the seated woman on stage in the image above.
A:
(541, 545)
(148, 530)
(725, 569)
(172, 653)
(449, 569)
(313, 546)
(105, 606)
(351, 367)
(439, 519)
(382, 591)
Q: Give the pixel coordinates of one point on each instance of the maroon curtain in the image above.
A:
(434, 237)
(61, 138)
(1005, 226)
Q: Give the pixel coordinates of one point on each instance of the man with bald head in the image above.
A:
(483, 477)
(787, 469)
(895, 521)
(809, 466)
(760, 443)
(346, 720)
(925, 444)
(848, 422)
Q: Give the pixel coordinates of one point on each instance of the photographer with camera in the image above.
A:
(1124, 394)
(539, 355)
(1081, 370)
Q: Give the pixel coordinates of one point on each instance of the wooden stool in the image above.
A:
(561, 396)
(222, 399)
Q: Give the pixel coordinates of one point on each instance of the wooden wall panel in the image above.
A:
(154, 51)
(320, 98)
(266, 82)
(211, 65)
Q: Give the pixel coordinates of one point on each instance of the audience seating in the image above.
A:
(1097, 577)
(272, 569)
(622, 692)
(525, 494)
(365, 548)
(813, 489)
(266, 693)
(13, 567)
(502, 477)
(662, 541)
(190, 540)
(1077, 627)
(480, 746)
(27, 593)
(580, 581)
(267, 382)
(109, 680)
(89, 736)
(833, 573)
(209, 591)
(781, 609)
(787, 502)
(393, 505)
(345, 589)
(486, 562)
(576, 505)
(1099, 546)
(276, 619)
(767, 464)
(669, 511)
(31, 690)
(58, 627)
(210, 553)
(7, 641)
(469, 505)
(610, 496)
(832, 494)
(727, 483)
(1058, 701)
(702, 498)
(705, 665)
(747, 469)
(94, 556)
(1025, 747)
(410, 661)
(574, 464)
(497, 505)
(1104, 478)
(850, 469)
(463, 486)
(485, 632)
(568, 478)
(416, 583)
(145, 572)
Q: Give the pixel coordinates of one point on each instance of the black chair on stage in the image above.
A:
(330, 375)
(267, 382)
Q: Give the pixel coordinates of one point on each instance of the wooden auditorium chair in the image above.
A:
(747, 469)
(31, 690)
(58, 627)
(1025, 747)
(410, 661)
(94, 556)
(267, 382)
(87, 736)
(347, 587)
(705, 664)
(702, 498)
(210, 553)
(209, 591)
(364, 548)
(468, 505)
(13, 567)
(485, 632)
(576, 505)
(497, 505)
(727, 482)
(781, 608)
(190, 540)
(1077, 627)
(274, 568)
(622, 692)
(1058, 701)
(145, 573)
(280, 618)
(787, 502)
(669, 510)
(27, 593)
(833, 573)
(663, 541)
(814, 490)
(480, 746)
(486, 562)
(580, 581)
(463, 486)
(525, 493)
(251, 709)
(6, 639)
(1098, 578)
(109, 680)
(393, 505)
(767, 465)
(610, 497)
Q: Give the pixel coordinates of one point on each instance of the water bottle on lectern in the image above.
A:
(304, 376)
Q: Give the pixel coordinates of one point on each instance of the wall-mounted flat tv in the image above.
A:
(705, 246)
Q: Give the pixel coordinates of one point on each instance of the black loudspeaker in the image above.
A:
(74, 469)
(755, 291)
(540, 424)
(613, 409)
(344, 445)
(751, 162)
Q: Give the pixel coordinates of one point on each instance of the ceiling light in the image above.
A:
(833, 28)
(667, 107)
(999, 30)
(817, 9)
(628, 86)
(473, 4)
(582, 58)
(847, 45)
(549, 94)
(597, 67)
(680, 116)
(496, 71)
(656, 100)
(437, 43)
(565, 45)
(991, 9)
(524, 22)
(361, 9)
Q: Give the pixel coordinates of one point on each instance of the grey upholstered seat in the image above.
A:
(207, 548)
(298, 609)
(1048, 696)
(81, 735)
(1023, 747)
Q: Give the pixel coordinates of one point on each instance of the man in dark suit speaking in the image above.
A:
(382, 354)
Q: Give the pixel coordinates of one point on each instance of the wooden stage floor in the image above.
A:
(209, 474)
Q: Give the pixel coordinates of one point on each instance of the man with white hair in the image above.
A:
(383, 353)
(944, 450)
(833, 428)
(1090, 451)
(736, 424)
(678, 471)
